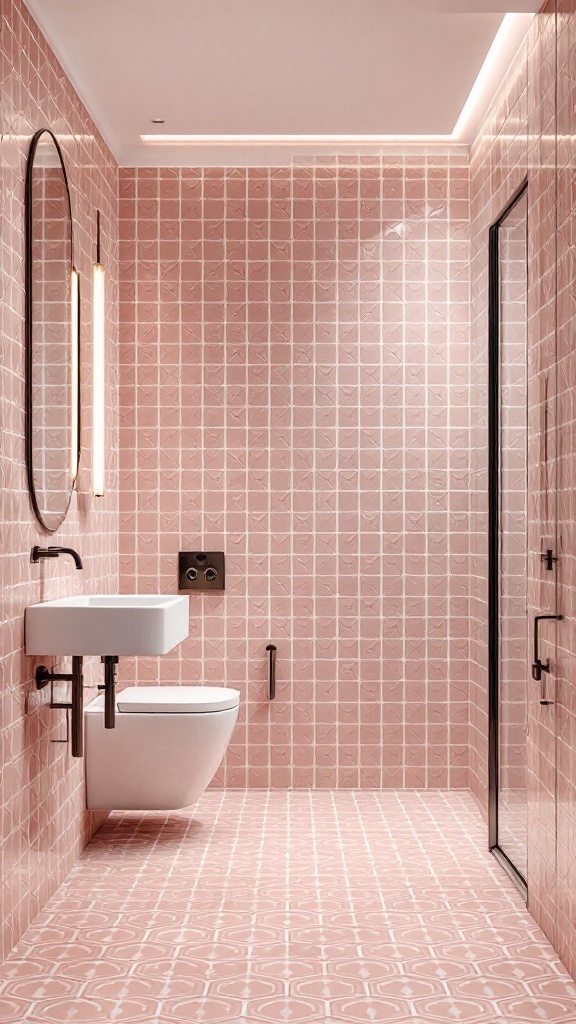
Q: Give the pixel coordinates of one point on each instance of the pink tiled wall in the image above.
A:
(542, 518)
(44, 825)
(565, 731)
(498, 167)
(295, 392)
(530, 131)
(298, 389)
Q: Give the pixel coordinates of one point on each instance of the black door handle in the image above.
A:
(538, 666)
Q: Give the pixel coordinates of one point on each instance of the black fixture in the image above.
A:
(110, 662)
(538, 666)
(38, 553)
(271, 650)
(75, 705)
(548, 558)
(201, 570)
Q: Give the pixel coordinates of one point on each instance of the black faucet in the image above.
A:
(53, 552)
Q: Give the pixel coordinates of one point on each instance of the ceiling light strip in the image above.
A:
(491, 75)
(288, 140)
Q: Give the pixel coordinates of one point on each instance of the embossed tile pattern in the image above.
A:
(295, 392)
(289, 907)
(530, 132)
(44, 821)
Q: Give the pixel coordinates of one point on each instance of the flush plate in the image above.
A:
(200, 570)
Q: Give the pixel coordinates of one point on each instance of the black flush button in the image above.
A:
(200, 570)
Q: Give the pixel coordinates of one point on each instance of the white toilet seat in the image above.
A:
(176, 700)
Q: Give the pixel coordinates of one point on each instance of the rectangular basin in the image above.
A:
(117, 624)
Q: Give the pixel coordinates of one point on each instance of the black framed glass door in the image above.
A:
(508, 540)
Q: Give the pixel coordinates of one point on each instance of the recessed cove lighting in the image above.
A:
(513, 29)
(499, 57)
(285, 140)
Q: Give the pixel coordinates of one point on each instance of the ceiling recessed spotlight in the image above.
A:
(157, 120)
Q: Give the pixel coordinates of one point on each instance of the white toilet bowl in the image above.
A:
(166, 746)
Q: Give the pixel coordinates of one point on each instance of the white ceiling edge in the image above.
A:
(249, 153)
(287, 156)
(71, 70)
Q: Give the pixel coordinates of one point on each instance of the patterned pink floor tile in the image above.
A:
(139, 987)
(12, 1009)
(40, 988)
(286, 969)
(372, 1009)
(288, 1008)
(247, 988)
(209, 1009)
(289, 908)
(63, 1011)
(325, 987)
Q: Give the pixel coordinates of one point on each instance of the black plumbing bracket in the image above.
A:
(110, 662)
(75, 706)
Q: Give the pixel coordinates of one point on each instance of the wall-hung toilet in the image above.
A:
(164, 750)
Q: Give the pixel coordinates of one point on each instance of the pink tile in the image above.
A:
(293, 367)
(351, 906)
(45, 824)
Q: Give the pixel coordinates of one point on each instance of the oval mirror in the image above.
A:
(52, 335)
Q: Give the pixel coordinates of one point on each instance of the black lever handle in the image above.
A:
(539, 666)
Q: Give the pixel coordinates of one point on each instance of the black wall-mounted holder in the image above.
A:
(271, 652)
(75, 705)
(201, 570)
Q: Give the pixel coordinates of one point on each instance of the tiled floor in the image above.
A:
(289, 907)
(513, 826)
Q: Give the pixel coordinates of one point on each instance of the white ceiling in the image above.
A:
(272, 67)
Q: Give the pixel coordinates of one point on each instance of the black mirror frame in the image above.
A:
(28, 324)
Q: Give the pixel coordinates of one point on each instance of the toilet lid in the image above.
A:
(177, 699)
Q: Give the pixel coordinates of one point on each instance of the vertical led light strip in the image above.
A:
(98, 371)
(74, 370)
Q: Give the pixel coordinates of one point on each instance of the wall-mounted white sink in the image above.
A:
(119, 624)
